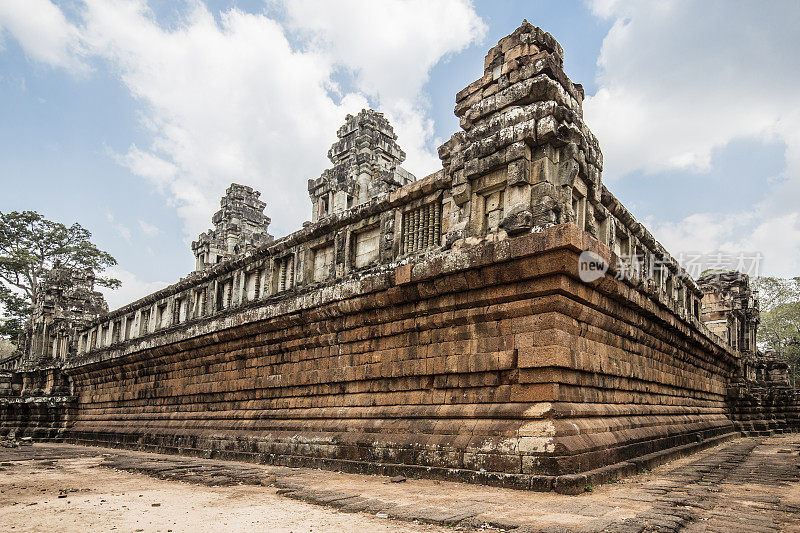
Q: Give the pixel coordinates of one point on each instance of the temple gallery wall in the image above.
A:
(434, 326)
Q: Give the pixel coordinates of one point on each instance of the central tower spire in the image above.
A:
(366, 162)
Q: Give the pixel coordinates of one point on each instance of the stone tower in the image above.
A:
(525, 158)
(240, 225)
(366, 162)
(65, 302)
(730, 309)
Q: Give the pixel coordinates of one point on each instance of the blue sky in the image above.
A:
(131, 117)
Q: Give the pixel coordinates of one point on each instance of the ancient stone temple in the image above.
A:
(35, 395)
(66, 302)
(366, 162)
(730, 309)
(240, 226)
(761, 399)
(436, 327)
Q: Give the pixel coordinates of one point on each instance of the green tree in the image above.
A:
(30, 245)
(779, 330)
(16, 309)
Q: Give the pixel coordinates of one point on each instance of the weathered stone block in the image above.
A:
(518, 220)
(461, 194)
(519, 172)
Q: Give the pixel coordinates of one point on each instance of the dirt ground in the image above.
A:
(747, 485)
(102, 499)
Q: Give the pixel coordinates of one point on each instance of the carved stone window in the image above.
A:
(658, 273)
(117, 327)
(421, 227)
(162, 319)
(366, 247)
(670, 289)
(323, 262)
(224, 293)
(252, 280)
(284, 273)
(622, 244)
(324, 205)
(603, 230)
(144, 324)
(198, 302)
(128, 327)
(181, 310)
(493, 210)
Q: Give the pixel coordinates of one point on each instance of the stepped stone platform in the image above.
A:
(493, 364)
(764, 409)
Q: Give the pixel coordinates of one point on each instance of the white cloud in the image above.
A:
(121, 229)
(149, 229)
(772, 243)
(679, 79)
(131, 290)
(700, 232)
(157, 170)
(232, 99)
(224, 102)
(390, 47)
(43, 32)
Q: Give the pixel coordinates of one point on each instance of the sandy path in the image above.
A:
(748, 485)
(101, 499)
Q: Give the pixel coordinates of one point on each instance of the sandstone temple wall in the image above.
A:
(524, 161)
(491, 363)
(437, 326)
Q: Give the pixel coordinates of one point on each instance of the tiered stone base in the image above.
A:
(490, 364)
(35, 404)
(761, 409)
(372, 454)
(43, 417)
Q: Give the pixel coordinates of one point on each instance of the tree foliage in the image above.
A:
(16, 309)
(779, 330)
(30, 245)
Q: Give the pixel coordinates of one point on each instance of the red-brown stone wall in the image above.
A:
(489, 363)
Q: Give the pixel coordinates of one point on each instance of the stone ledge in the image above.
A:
(579, 483)
(472, 255)
(565, 484)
